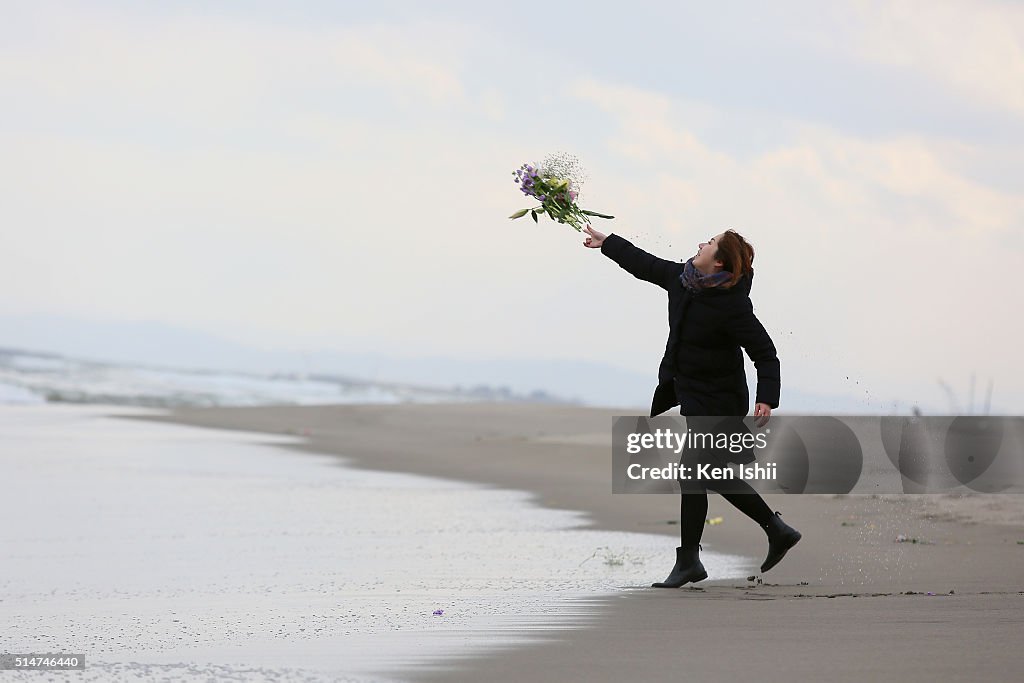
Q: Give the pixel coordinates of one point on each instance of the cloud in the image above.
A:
(211, 70)
(975, 47)
(351, 181)
(861, 241)
(837, 171)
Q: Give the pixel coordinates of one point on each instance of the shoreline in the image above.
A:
(956, 580)
(161, 547)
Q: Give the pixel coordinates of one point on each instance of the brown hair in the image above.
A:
(736, 255)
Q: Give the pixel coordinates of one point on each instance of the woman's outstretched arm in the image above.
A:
(633, 259)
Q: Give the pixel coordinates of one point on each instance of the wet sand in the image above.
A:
(848, 603)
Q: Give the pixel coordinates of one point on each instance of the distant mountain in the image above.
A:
(157, 344)
(162, 345)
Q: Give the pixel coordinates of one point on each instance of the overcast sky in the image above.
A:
(338, 175)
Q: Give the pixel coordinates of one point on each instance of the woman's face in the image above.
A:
(704, 259)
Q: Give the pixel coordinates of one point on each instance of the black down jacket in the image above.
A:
(702, 369)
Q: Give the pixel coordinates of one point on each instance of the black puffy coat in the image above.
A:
(702, 369)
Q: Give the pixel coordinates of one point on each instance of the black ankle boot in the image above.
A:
(688, 568)
(781, 537)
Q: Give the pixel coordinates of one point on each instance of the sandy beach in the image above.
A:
(850, 602)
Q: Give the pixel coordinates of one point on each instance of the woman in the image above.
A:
(710, 319)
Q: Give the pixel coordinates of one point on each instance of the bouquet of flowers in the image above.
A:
(555, 184)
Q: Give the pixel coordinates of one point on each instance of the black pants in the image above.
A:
(693, 503)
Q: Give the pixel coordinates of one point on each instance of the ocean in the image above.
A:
(160, 550)
(28, 377)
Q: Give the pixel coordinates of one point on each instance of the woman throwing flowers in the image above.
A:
(710, 319)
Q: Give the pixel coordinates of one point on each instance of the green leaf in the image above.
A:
(534, 214)
(519, 214)
(595, 213)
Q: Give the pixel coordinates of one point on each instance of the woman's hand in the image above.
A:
(763, 411)
(596, 238)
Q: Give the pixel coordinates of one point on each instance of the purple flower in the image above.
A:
(438, 612)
